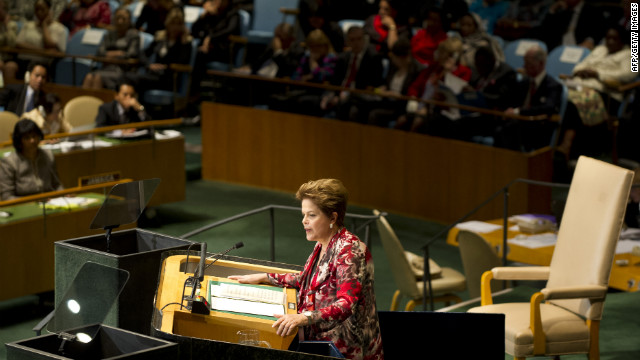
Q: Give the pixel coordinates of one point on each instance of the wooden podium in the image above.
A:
(218, 325)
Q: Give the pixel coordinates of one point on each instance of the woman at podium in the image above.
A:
(28, 170)
(336, 300)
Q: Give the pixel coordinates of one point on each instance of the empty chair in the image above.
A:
(81, 111)
(564, 317)
(515, 50)
(564, 58)
(408, 272)
(8, 121)
(477, 256)
(72, 71)
(266, 15)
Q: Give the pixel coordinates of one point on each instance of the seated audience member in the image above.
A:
(318, 65)
(80, 14)
(440, 81)
(280, 58)
(153, 15)
(27, 170)
(426, 40)
(538, 94)
(20, 98)
(316, 15)
(43, 33)
(489, 11)
(218, 21)
(473, 36)
(521, 17)
(571, 22)
(124, 109)
(491, 86)
(632, 215)
(8, 33)
(170, 46)
(451, 11)
(387, 26)
(593, 91)
(403, 72)
(360, 67)
(48, 115)
(120, 43)
(22, 10)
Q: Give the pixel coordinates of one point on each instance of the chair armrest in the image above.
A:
(575, 292)
(521, 273)
(509, 273)
(180, 67)
(43, 323)
(238, 39)
(539, 337)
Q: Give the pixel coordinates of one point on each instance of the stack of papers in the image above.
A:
(478, 226)
(534, 241)
(248, 299)
(70, 202)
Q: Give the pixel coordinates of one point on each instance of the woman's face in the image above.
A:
(30, 142)
(612, 41)
(318, 51)
(175, 27)
(122, 20)
(55, 111)
(41, 10)
(384, 9)
(315, 222)
(467, 26)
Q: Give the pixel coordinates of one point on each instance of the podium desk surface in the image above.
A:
(218, 325)
(625, 271)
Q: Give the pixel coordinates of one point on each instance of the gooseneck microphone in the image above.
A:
(203, 257)
(238, 245)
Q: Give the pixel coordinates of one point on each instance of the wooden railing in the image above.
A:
(57, 193)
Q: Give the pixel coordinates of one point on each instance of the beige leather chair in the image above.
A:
(82, 110)
(407, 269)
(477, 256)
(568, 320)
(8, 121)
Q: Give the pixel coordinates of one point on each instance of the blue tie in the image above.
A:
(29, 106)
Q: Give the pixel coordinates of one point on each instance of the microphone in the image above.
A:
(203, 258)
(238, 245)
(198, 304)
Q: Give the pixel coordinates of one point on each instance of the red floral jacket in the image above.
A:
(339, 293)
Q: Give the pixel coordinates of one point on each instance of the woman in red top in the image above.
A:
(427, 39)
(386, 27)
(80, 14)
(336, 300)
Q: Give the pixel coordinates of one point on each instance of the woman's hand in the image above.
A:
(251, 279)
(288, 324)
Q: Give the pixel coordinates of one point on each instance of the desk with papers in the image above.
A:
(537, 249)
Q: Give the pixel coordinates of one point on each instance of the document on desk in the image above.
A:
(626, 246)
(69, 202)
(478, 226)
(245, 298)
(534, 241)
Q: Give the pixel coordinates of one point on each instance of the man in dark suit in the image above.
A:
(358, 68)
(124, 109)
(538, 94)
(21, 98)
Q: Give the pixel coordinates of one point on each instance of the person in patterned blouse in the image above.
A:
(336, 301)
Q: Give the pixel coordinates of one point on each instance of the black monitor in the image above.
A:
(441, 335)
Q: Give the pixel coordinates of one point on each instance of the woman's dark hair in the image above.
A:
(623, 33)
(46, 2)
(48, 101)
(22, 128)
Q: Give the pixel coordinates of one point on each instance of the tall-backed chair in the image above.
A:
(408, 272)
(563, 59)
(477, 256)
(564, 317)
(81, 111)
(8, 121)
